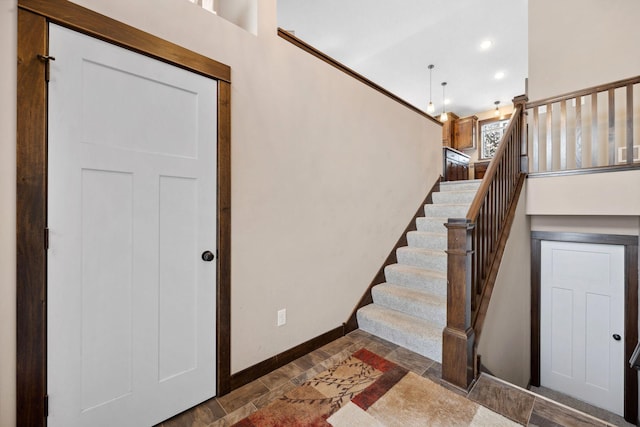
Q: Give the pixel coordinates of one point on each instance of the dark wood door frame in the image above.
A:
(630, 244)
(31, 163)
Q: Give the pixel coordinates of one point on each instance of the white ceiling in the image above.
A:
(393, 42)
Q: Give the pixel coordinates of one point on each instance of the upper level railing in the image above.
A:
(474, 250)
(590, 128)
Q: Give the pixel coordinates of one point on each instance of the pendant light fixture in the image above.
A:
(497, 112)
(430, 108)
(443, 117)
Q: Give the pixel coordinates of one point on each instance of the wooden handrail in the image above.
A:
(584, 92)
(475, 245)
(491, 169)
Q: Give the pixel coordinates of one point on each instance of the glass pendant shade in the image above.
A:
(443, 117)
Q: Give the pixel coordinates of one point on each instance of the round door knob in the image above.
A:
(208, 256)
(616, 337)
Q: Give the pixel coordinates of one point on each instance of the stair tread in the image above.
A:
(448, 204)
(458, 191)
(417, 270)
(412, 293)
(461, 188)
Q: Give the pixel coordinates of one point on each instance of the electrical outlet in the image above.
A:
(282, 317)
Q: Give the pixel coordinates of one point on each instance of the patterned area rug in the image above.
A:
(368, 390)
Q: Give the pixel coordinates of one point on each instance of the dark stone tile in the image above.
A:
(434, 372)
(281, 375)
(549, 414)
(242, 396)
(410, 360)
(201, 415)
(580, 406)
(379, 346)
(312, 359)
(235, 416)
(358, 334)
(502, 398)
(185, 419)
(338, 345)
(213, 408)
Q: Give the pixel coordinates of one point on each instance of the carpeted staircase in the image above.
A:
(410, 309)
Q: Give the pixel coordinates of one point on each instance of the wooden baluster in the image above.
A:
(458, 336)
(612, 127)
(536, 143)
(578, 132)
(496, 207)
(563, 135)
(629, 123)
(594, 129)
(549, 139)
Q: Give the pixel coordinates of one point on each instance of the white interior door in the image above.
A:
(131, 208)
(582, 309)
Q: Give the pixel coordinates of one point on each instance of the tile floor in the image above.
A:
(602, 414)
(513, 402)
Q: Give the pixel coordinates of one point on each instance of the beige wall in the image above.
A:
(505, 341)
(575, 44)
(621, 225)
(326, 173)
(611, 193)
(7, 211)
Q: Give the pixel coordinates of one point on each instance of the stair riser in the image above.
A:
(434, 285)
(446, 211)
(453, 197)
(426, 347)
(429, 262)
(418, 240)
(431, 225)
(436, 313)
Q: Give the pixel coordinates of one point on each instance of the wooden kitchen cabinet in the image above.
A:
(465, 133)
(447, 130)
(455, 165)
(479, 169)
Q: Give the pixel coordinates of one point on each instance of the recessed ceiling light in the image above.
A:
(486, 44)
(499, 75)
(447, 101)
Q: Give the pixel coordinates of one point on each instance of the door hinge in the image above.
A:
(47, 61)
(46, 238)
(46, 405)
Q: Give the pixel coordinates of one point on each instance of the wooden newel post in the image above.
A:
(458, 336)
(521, 101)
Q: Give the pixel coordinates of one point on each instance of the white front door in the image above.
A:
(582, 322)
(131, 208)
